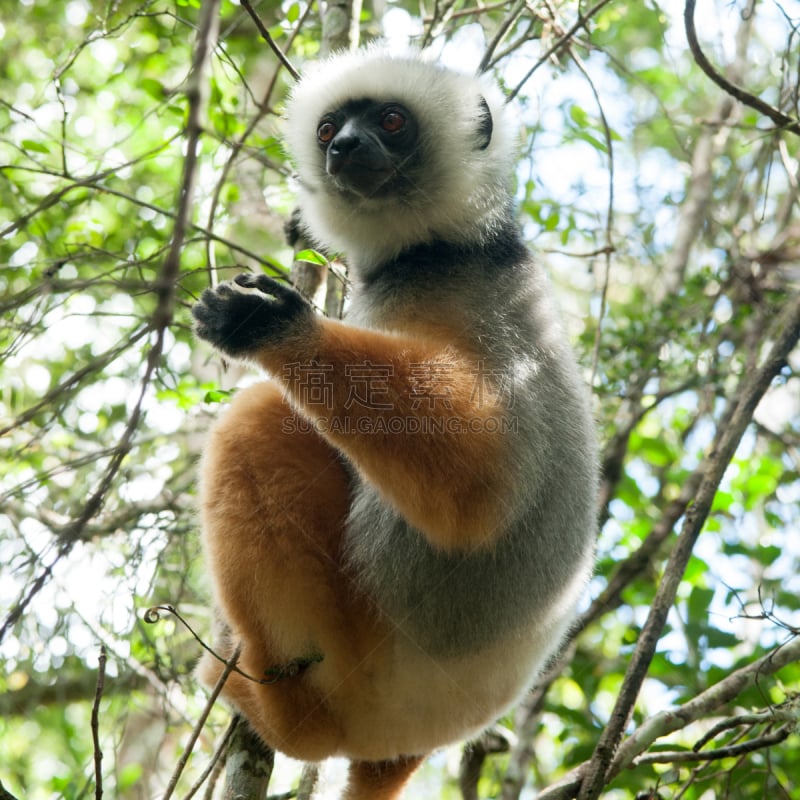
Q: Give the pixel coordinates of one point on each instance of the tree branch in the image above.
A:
(249, 766)
(782, 120)
(165, 284)
(710, 144)
(725, 691)
(5, 794)
(671, 720)
(70, 688)
(785, 334)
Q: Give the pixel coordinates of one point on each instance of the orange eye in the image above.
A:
(392, 121)
(326, 132)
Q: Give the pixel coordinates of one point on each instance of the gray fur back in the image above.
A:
(455, 603)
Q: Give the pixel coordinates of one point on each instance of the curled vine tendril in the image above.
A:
(272, 674)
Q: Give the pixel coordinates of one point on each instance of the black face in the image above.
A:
(369, 147)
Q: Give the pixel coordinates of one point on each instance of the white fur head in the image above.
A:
(461, 195)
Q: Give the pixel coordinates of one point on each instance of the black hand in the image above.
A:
(239, 322)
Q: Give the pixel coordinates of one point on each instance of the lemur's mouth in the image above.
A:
(362, 179)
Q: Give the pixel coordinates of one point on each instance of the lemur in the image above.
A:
(399, 523)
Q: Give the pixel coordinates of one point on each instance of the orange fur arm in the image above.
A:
(420, 419)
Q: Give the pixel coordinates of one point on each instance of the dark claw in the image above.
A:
(247, 279)
(269, 286)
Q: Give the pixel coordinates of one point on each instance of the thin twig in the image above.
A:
(770, 716)
(502, 29)
(97, 365)
(196, 93)
(216, 758)
(473, 11)
(608, 247)
(560, 42)
(89, 181)
(265, 34)
(195, 735)
(98, 694)
(731, 751)
(442, 12)
(92, 182)
(239, 143)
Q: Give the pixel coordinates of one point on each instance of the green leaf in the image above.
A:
(594, 141)
(717, 638)
(31, 145)
(655, 451)
(722, 502)
(153, 87)
(768, 554)
(217, 396)
(310, 256)
(699, 602)
(695, 570)
(129, 775)
(579, 116)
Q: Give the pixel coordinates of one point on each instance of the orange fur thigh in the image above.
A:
(274, 501)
